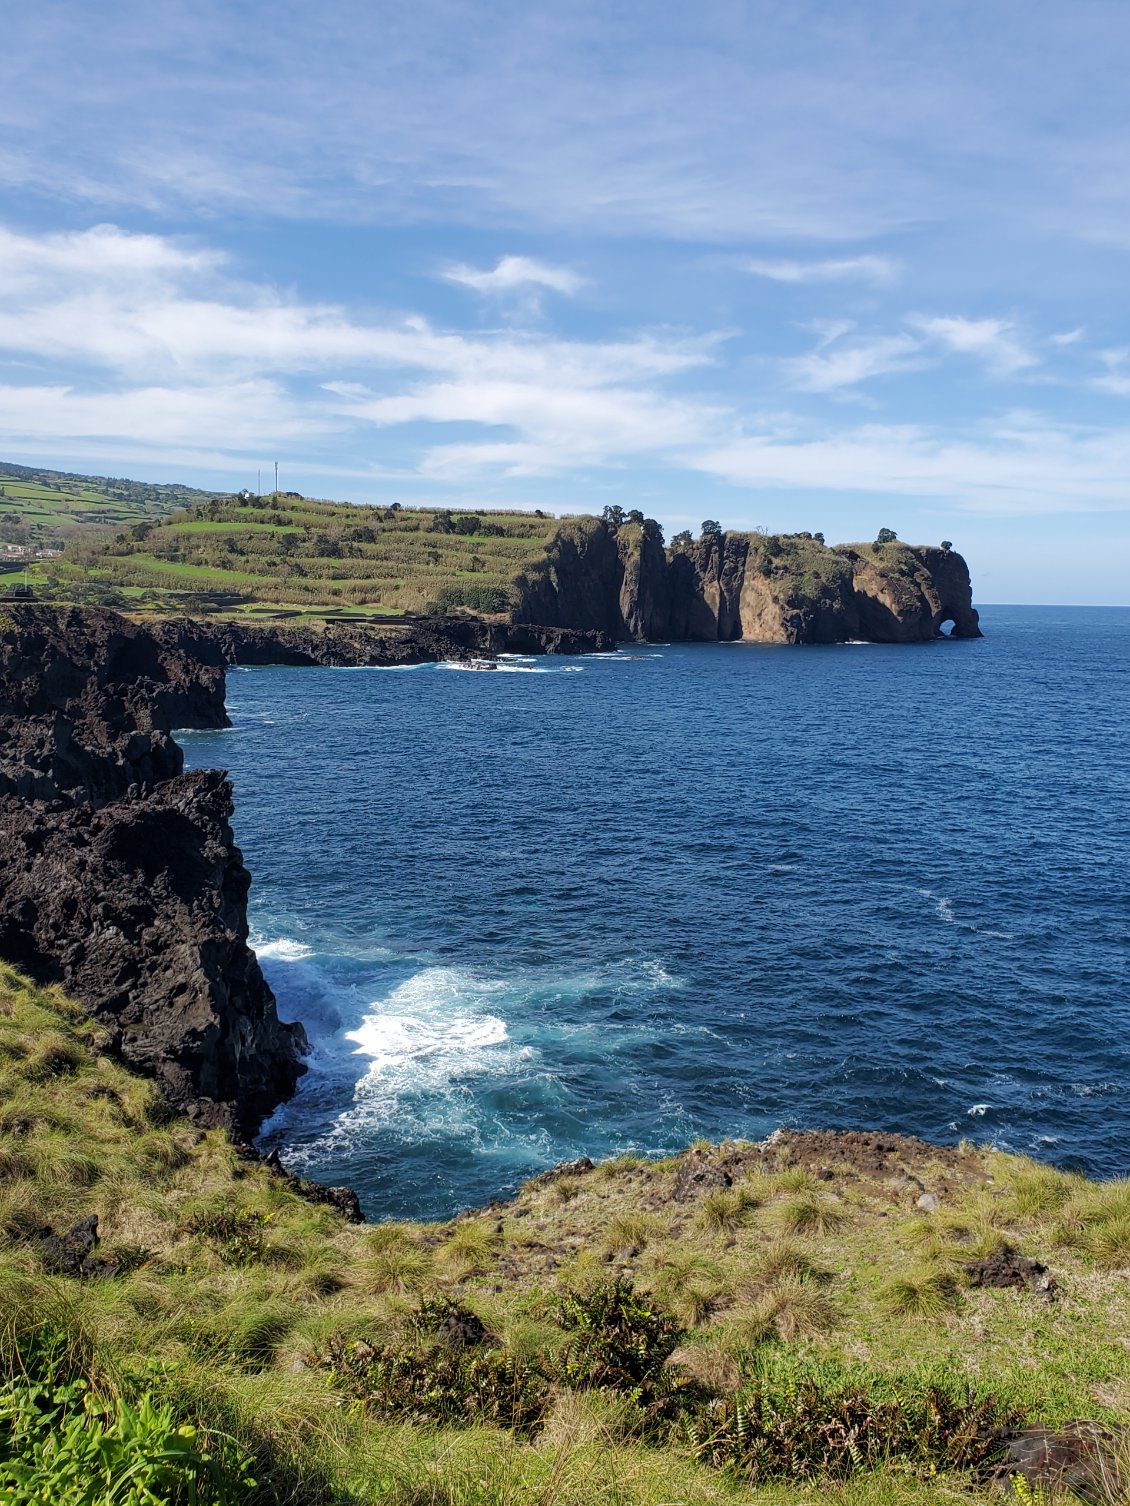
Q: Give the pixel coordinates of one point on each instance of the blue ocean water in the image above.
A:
(585, 905)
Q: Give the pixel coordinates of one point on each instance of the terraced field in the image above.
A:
(47, 508)
(290, 554)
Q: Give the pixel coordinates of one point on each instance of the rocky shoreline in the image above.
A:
(120, 878)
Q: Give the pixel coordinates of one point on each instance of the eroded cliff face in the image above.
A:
(761, 588)
(119, 874)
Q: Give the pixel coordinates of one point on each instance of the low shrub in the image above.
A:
(823, 1421)
(452, 1387)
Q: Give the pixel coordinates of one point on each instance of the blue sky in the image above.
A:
(825, 266)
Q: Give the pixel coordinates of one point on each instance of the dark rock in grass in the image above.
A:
(70, 1254)
(463, 1329)
(699, 1173)
(576, 1168)
(342, 1199)
(1083, 1459)
(1005, 1267)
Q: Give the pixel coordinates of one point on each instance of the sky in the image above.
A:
(829, 266)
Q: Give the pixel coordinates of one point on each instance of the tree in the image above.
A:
(682, 541)
(818, 537)
(710, 528)
(636, 517)
(886, 536)
(614, 516)
(947, 545)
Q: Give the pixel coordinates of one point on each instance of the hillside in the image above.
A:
(289, 552)
(775, 1300)
(45, 509)
(286, 556)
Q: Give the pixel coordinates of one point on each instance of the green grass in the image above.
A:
(293, 554)
(47, 508)
(231, 1290)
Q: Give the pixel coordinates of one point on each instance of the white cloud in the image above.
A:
(514, 272)
(232, 417)
(197, 356)
(1017, 468)
(993, 341)
(1116, 382)
(1068, 336)
(824, 370)
(873, 269)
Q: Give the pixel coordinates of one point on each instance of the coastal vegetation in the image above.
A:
(174, 548)
(855, 1314)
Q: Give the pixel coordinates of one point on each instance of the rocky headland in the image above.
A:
(120, 878)
(762, 588)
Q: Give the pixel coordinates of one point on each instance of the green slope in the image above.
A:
(290, 553)
(815, 1277)
(48, 507)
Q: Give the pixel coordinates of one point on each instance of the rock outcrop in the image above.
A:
(763, 588)
(119, 874)
(417, 641)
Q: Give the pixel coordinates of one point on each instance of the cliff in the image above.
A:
(421, 641)
(119, 874)
(763, 588)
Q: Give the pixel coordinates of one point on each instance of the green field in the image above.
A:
(293, 554)
(49, 508)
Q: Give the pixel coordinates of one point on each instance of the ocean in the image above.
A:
(622, 902)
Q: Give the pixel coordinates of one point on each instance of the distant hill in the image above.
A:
(48, 508)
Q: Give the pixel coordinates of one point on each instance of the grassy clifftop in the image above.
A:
(290, 552)
(770, 1288)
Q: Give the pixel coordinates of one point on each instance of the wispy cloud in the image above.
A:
(825, 124)
(516, 272)
(1117, 378)
(1069, 336)
(1013, 468)
(996, 342)
(873, 269)
(832, 367)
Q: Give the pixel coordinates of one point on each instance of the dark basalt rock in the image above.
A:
(577, 1168)
(1084, 1459)
(119, 875)
(1005, 1267)
(70, 1254)
(343, 1199)
(421, 641)
(139, 910)
(699, 1173)
(88, 701)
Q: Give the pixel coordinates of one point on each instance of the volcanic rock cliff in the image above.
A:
(763, 588)
(119, 874)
